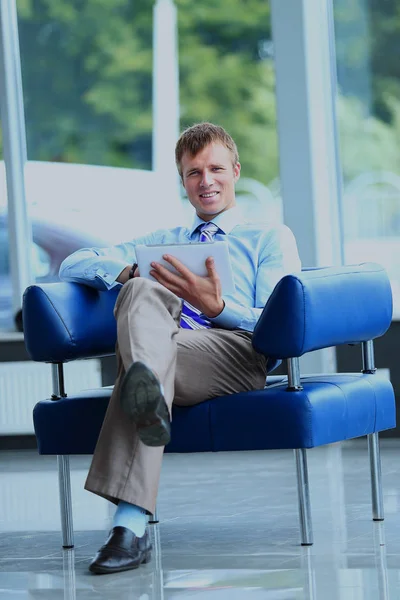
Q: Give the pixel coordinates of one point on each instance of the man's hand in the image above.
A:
(202, 292)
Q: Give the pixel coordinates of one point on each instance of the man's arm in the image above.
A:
(278, 258)
(101, 268)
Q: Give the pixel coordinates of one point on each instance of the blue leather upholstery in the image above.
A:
(314, 309)
(329, 409)
(324, 307)
(66, 321)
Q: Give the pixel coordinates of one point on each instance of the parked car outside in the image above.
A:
(52, 242)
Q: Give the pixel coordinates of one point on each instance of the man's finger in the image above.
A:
(210, 266)
(167, 278)
(180, 267)
(166, 273)
(167, 284)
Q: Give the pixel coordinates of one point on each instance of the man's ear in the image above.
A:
(236, 171)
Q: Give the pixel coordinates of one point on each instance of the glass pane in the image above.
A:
(41, 265)
(41, 261)
(87, 76)
(87, 71)
(227, 77)
(87, 81)
(367, 34)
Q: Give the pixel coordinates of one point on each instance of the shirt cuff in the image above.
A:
(108, 273)
(230, 317)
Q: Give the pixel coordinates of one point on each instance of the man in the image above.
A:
(179, 339)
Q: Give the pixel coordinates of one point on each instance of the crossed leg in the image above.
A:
(192, 366)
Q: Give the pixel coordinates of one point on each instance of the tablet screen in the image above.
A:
(193, 256)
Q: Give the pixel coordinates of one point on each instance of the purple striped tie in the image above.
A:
(191, 317)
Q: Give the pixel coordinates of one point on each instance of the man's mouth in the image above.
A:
(209, 195)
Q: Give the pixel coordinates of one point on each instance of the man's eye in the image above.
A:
(217, 168)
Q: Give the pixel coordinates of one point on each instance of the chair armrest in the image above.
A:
(307, 311)
(324, 307)
(67, 321)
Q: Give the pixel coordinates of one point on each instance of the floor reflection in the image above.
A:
(381, 560)
(153, 583)
(228, 529)
(314, 579)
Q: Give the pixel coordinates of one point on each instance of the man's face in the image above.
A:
(209, 180)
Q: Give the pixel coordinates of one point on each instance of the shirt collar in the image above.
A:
(226, 220)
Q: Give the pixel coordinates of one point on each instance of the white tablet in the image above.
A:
(193, 256)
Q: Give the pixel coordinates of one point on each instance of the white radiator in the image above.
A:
(22, 384)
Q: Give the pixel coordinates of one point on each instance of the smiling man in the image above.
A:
(209, 177)
(179, 339)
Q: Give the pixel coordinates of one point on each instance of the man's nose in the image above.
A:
(206, 179)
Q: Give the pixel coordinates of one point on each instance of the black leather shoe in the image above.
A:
(122, 551)
(142, 399)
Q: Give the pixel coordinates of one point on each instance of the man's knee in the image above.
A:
(136, 286)
(128, 288)
(143, 290)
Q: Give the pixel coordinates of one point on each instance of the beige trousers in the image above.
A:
(193, 366)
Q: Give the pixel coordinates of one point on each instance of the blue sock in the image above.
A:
(130, 516)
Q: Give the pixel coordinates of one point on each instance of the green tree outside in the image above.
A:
(87, 75)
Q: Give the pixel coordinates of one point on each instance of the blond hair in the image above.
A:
(197, 137)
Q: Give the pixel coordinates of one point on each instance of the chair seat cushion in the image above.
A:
(329, 408)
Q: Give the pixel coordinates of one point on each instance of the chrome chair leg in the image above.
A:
(376, 477)
(304, 497)
(154, 518)
(64, 483)
(157, 568)
(69, 574)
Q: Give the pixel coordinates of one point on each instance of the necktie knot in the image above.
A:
(208, 231)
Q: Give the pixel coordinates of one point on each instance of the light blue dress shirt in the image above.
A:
(261, 255)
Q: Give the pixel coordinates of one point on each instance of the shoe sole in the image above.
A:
(141, 398)
(104, 571)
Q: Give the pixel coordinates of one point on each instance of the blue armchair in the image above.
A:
(311, 310)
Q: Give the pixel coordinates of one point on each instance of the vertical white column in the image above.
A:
(14, 140)
(308, 142)
(166, 100)
(311, 186)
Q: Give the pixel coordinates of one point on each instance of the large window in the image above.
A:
(227, 77)
(87, 73)
(367, 46)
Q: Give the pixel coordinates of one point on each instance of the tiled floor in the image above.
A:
(228, 530)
